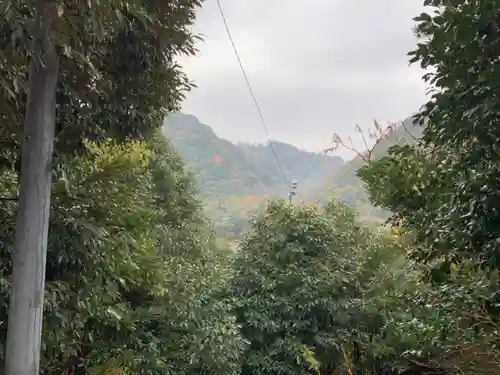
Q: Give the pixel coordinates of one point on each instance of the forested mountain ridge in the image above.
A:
(235, 180)
(223, 168)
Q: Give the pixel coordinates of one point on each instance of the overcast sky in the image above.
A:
(317, 67)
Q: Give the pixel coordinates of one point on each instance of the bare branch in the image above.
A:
(378, 134)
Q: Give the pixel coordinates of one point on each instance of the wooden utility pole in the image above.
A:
(30, 251)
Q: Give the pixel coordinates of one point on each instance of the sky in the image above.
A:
(317, 67)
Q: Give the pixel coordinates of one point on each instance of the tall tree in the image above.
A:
(76, 33)
(133, 274)
(449, 194)
(445, 190)
(294, 276)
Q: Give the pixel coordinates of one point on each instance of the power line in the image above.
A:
(251, 92)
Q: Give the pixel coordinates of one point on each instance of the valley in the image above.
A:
(236, 180)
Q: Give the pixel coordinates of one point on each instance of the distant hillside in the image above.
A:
(227, 169)
(306, 167)
(235, 180)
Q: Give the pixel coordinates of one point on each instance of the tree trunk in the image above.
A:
(30, 256)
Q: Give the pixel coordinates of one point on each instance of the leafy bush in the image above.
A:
(132, 266)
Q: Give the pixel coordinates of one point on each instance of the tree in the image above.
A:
(197, 326)
(294, 276)
(59, 33)
(450, 197)
(447, 196)
(95, 247)
(133, 274)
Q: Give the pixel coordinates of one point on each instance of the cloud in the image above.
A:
(317, 67)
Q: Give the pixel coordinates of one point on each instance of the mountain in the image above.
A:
(235, 180)
(227, 169)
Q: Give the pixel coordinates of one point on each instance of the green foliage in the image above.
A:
(436, 329)
(450, 197)
(117, 83)
(132, 267)
(316, 292)
(345, 183)
(295, 275)
(444, 193)
(461, 124)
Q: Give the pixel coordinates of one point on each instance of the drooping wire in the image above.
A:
(257, 106)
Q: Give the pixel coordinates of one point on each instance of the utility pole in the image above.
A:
(293, 192)
(24, 330)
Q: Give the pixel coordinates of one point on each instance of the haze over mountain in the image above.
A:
(235, 180)
(224, 168)
(311, 80)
